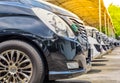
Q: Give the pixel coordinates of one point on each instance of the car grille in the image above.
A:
(97, 47)
(104, 47)
(81, 29)
(98, 38)
(82, 35)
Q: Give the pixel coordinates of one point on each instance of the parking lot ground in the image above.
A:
(104, 70)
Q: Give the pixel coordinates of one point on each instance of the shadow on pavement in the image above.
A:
(70, 81)
(101, 60)
(97, 64)
(93, 71)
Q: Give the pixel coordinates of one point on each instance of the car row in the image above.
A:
(40, 41)
(100, 43)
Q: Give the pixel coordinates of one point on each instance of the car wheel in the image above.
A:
(20, 63)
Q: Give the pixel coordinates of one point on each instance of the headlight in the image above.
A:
(54, 22)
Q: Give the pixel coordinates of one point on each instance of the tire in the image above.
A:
(20, 63)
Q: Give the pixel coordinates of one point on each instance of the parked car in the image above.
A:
(104, 43)
(94, 40)
(37, 43)
(116, 42)
(75, 24)
(111, 42)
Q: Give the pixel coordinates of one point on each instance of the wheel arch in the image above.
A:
(29, 41)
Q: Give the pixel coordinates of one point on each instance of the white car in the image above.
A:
(104, 43)
(94, 40)
(116, 42)
(111, 44)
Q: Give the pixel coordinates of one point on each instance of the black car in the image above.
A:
(37, 43)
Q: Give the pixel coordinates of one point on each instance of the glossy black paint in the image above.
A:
(49, 7)
(22, 18)
(18, 21)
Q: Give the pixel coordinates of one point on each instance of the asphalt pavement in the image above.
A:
(104, 70)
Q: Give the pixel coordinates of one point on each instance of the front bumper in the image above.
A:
(65, 74)
(59, 70)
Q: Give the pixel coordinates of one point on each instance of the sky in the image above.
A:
(108, 2)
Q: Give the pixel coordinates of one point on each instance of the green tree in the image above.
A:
(115, 15)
